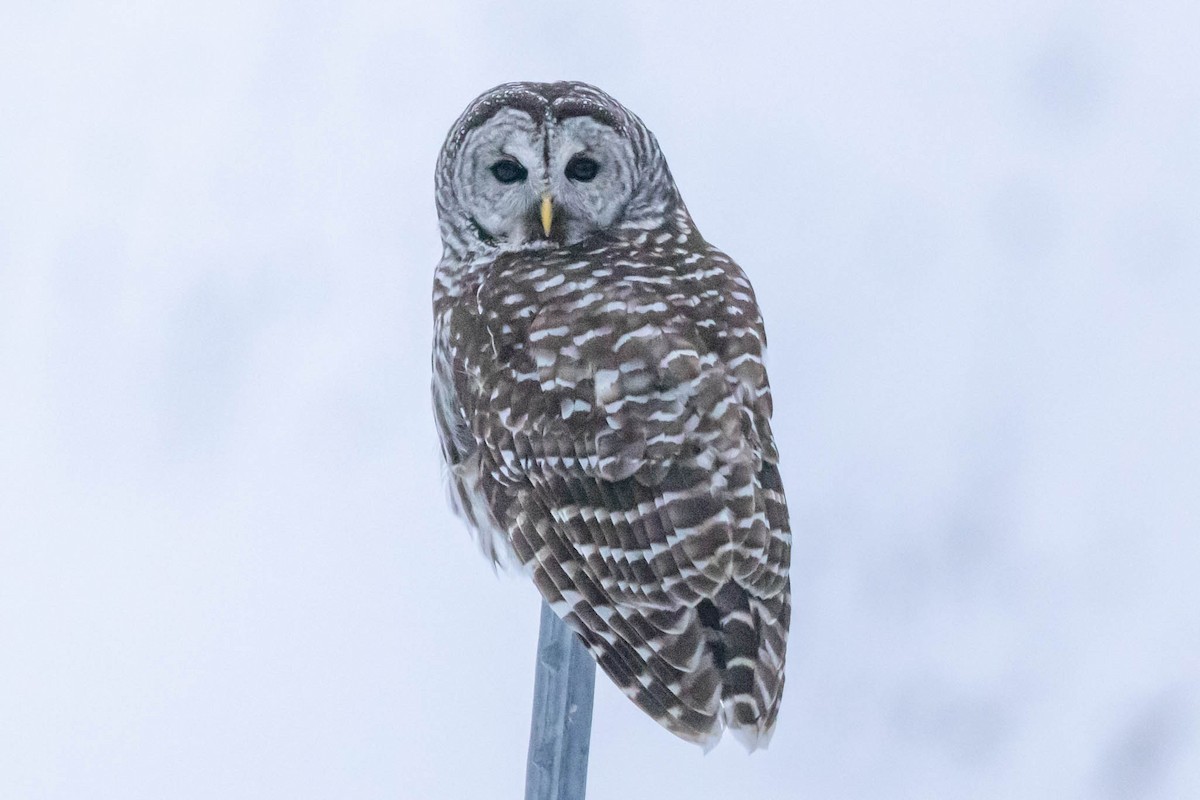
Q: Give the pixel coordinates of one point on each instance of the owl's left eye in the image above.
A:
(582, 168)
(508, 171)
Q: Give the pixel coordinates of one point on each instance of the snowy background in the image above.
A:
(226, 567)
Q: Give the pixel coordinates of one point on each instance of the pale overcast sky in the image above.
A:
(226, 566)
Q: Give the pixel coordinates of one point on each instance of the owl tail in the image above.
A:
(748, 641)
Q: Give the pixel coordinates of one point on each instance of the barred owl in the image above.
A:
(603, 407)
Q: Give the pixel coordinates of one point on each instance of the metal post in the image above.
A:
(562, 714)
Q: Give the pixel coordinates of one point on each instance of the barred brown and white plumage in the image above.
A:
(603, 406)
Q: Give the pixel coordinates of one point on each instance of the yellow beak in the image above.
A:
(547, 213)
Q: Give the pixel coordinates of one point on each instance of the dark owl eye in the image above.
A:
(582, 168)
(508, 171)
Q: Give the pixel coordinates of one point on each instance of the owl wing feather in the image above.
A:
(608, 419)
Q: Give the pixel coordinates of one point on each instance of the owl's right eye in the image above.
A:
(508, 171)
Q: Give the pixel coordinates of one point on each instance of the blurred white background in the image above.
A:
(226, 566)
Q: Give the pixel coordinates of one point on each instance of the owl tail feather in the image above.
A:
(747, 646)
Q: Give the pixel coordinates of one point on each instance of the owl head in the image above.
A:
(532, 165)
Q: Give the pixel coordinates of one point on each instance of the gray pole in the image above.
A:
(562, 714)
